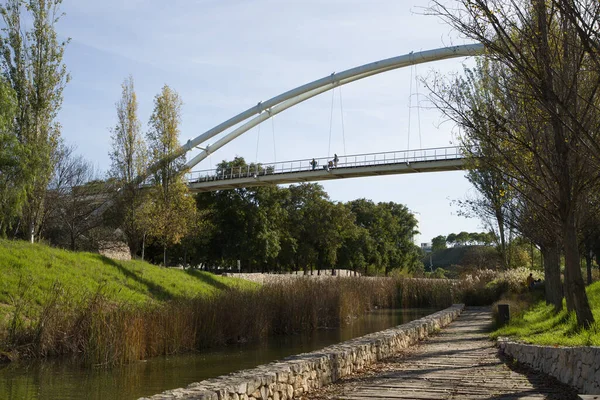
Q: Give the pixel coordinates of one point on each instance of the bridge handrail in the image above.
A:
(348, 161)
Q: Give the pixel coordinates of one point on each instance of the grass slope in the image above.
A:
(540, 325)
(33, 271)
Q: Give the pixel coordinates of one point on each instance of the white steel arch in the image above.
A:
(295, 96)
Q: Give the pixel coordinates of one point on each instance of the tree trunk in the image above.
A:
(143, 245)
(500, 222)
(573, 278)
(165, 255)
(552, 283)
(588, 266)
(32, 231)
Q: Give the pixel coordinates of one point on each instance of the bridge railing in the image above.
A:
(327, 163)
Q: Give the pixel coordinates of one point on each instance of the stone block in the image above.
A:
(252, 385)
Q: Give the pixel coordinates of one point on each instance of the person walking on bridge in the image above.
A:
(313, 164)
(335, 160)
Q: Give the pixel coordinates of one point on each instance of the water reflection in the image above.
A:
(62, 380)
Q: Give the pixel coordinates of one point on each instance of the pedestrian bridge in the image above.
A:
(351, 166)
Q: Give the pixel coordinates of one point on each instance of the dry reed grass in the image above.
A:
(101, 332)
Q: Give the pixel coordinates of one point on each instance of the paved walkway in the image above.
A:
(458, 363)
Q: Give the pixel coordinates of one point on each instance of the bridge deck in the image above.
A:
(460, 363)
(352, 166)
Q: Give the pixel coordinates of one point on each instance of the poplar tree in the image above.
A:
(12, 182)
(128, 161)
(172, 209)
(32, 61)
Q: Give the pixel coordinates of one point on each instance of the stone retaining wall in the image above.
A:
(277, 278)
(576, 366)
(293, 376)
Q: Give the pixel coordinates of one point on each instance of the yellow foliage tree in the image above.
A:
(170, 211)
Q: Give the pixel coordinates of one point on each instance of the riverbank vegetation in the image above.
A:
(539, 324)
(101, 332)
(105, 312)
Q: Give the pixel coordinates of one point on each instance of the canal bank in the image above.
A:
(292, 377)
(62, 380)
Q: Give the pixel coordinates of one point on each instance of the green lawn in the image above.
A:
(540, 325)
(33, 272)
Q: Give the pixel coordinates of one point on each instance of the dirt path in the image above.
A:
(459, 363)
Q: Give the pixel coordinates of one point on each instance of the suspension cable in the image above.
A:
(342, 114)
(257, 142)
(273, 129)
(418, 106)
(409, 106)
(331, 122)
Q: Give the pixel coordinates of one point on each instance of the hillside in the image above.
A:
(31, 273)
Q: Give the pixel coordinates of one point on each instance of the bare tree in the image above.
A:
(75, 200)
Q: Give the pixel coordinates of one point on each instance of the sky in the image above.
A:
(224, 56)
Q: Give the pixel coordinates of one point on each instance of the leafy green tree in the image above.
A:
(463, 238)
(391, 227)
(250, 224)
(438, 243)
(12, 154)
(451, 239)
(357, 248)
(32, 61)
(314, 221)
(128, 161)
(172, 209)
(403, 227)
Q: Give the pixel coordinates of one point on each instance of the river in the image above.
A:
(64, 380)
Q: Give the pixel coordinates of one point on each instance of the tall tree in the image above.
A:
(128, 161)
(438, 243)
(32, 60)
(391, 227)
(173, 209)
(12, 176)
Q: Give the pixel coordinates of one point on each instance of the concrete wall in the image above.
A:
(575, 366)
(293, 376)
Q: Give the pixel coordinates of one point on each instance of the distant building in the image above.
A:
(426, 247)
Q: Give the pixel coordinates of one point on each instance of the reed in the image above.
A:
(102, 333)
